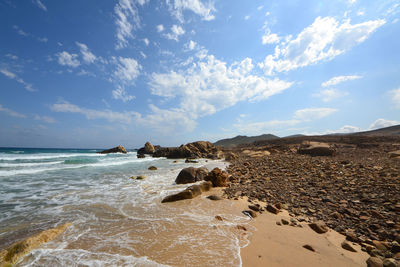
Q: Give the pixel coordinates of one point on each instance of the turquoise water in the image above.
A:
(116, 221)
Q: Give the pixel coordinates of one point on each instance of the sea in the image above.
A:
(116, 220)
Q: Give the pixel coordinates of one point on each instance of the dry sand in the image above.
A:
(274, 245)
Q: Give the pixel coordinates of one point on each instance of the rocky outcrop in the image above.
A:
(230, 156)
(16, 251)
(218, 177)
(189, 193)
(316, 149)
(118, 149)
(199, 149)
(191, 175)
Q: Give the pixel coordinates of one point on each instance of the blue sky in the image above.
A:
(101, 73)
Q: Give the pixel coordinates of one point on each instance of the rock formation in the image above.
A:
(189, 193)
(118, 149)
(191, 175)
(316, 149)
(217, 177)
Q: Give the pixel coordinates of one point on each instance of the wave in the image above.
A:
(30, 164)
(80, 161)
(49, 156)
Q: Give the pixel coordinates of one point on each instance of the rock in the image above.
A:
(309, 247)
(394, 154)
(390, 263)
(316, 149)
(191, 175)
(272, 209)
(189, 193)
(219, 218)
(345, 245)
(395, 247)
(141, 156)
(278, 223)
(254, 207)
(199, 149)
(191, 161)
(374, 262)
(149, 148)
(16, 251)
(217, 177)
(241, 227)
(214, 197)
(319, 227)
(152, 168)
(140, 177)
(379, 245)
(250, 213)
(118, 149)
(376, 214)
(284, 221)
(351, 236)
(230, 156)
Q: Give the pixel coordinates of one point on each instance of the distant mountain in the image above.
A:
(387, 131)
(241, 140)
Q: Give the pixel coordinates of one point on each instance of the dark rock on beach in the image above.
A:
(118, 149)
(189, 193)
(218, 177)
(191, 175)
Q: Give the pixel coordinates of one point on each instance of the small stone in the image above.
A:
(395, 247)
(309, 247)
(254, 207)
(250, 213)
(152, 168)
(214, 197)
(345, 245)
(337, 215)
(219, 218)
(389, 263)
(284, 221)
(379, 245)
(241, 227)
(376, 214)
(278, 223)
(374, 262)
(351, 236)
(272, 209)
(319, 227)
(140, 177)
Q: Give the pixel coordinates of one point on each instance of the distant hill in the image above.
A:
(387, 131)
(241, 139)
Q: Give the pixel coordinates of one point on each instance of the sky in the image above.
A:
(99, 73)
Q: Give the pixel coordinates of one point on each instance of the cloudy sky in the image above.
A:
(98, 73)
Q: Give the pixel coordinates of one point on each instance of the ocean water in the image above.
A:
(116, 221)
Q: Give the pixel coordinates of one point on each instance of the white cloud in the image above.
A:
(11, 56)
(348, 129)
(127, 20)
(14, 76)
(91, 114)
(160, 28)
(67, 59)
(120, 93)
(340, 79)
(40, 5)
(20, 31)
(209, 85)
(12, 112)
(396, 97)
(330, 94)
(247, 17)
(256, 128)
(309, 114)
(352, 1)
(128, 69)
(42, 39)
(176, 31)
(197, 6)
(382, 123)
(270, 38)
(45, 119)
(146, 41)
(325, 39)
(260, 7)
(191, 45)
(143, 54)
(87, 55)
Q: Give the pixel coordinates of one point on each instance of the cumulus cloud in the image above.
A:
(176, 31)
(15, 77)
(340, 79)
(160, 28)
(12, 113)
(309, 114)
(330, 94)
(396, 97)
(210, 85)
(88, 56)
(67, 59)
(324, 39)
(146, 41)
(127, 20)
(204, 10)
(382, 123)
(121, 94)
(92, 114)
(128, 69)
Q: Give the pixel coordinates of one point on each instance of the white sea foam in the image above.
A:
(31, 164)
(48, 156)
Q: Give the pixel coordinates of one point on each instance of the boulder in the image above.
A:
(189, 193)
(214, 197)
(199, 149)
(346, 245)
(152, 168)
(191, 175)
(230, 156)
(149, 148)
(319, 227)
(217, 177)
(316, 149)
(141, 156)
(374, 262)
(118, 149)
(272, 209)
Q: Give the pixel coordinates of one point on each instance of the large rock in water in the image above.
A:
(189, 193)
(199, 149)
(118, 149)
(217, 177)
(191, 175)
(316, 149)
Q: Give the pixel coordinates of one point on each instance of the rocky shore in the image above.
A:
(354, 190)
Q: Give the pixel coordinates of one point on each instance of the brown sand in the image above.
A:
(274, 245)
